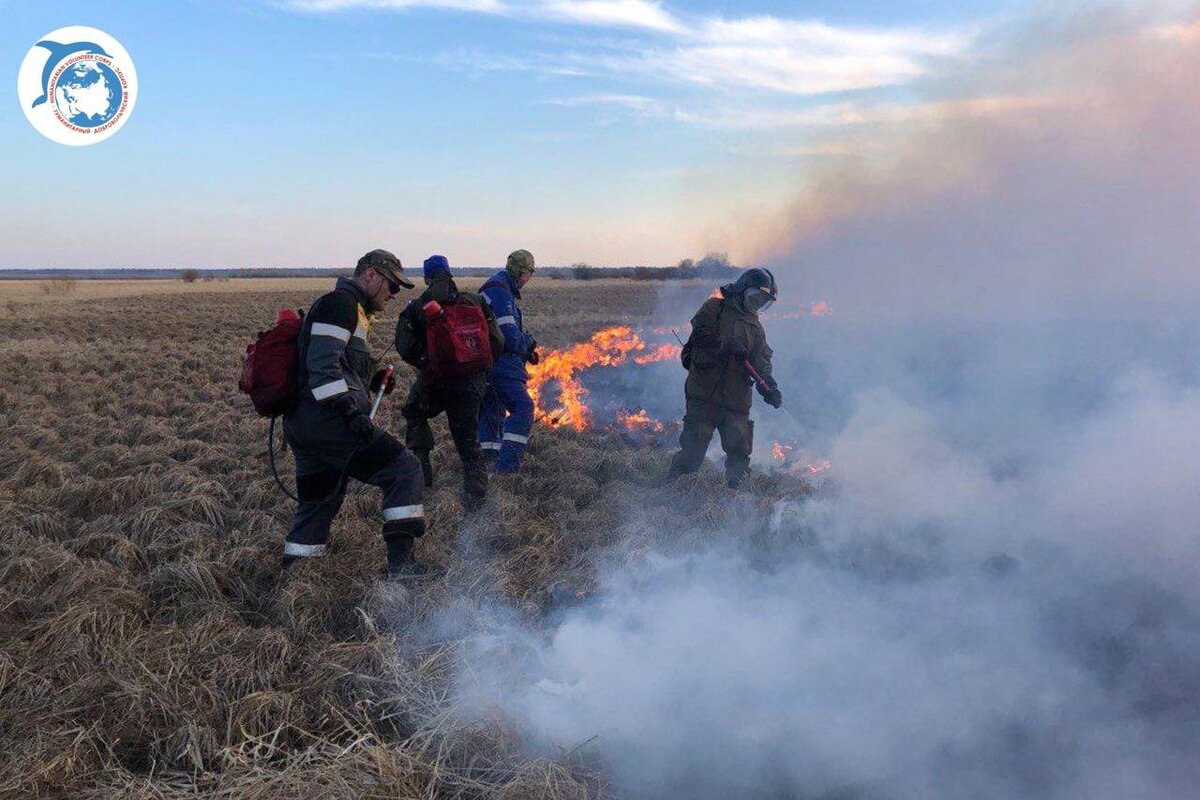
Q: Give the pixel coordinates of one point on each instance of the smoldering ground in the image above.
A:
(993, 595)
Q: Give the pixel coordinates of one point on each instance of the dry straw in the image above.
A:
(149, 646)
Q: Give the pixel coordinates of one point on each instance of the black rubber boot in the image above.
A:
(426, 467)
(401, 563)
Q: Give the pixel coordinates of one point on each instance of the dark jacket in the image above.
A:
(502, 292)
(714, 374)
(335, 358)
(410, 330)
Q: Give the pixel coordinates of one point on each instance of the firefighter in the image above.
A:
(431, 394)
(507, 415)
(330, 431)
(726, 334)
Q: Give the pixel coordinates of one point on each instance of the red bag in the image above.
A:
(456, 340)
(270, 374)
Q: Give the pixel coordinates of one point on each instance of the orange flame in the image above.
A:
(609, 347)
(818, 308)
(638, 420)
(784, 453)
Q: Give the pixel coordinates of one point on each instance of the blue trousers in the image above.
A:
(505, 420)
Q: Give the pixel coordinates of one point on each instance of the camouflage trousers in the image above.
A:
(699, 422)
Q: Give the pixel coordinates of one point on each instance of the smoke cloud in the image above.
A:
(1060, 174)
(993, 594)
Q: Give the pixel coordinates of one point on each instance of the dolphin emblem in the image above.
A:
(57, 53)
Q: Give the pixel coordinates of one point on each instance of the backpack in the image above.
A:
(270, 373)
(456, 340)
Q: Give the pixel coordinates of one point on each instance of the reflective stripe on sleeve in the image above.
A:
(325, 329)
(303, 550)
(327, 390)
(489, 445)
(361, 333)
(403, 512)
(508, 319)
(516, 437)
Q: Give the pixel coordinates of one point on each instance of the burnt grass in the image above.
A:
(150, 646)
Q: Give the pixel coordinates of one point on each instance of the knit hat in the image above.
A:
(436, 265)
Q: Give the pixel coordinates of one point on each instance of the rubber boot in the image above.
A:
(426, 467)
(401, 563)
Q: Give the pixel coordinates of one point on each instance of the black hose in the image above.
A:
(337, 489)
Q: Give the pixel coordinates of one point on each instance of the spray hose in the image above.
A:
(388, 371)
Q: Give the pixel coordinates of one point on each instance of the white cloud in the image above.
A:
(846, 115)
(620, 13)
(802, 57)
(633, 101)
(479, 6)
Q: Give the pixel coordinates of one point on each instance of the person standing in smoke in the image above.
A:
(330, 431)
(727, 339)
(507, 416)
(460, 394)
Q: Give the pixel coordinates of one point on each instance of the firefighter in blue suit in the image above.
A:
(507, 414)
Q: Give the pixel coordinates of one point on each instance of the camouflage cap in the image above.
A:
(386, 263)
(520, 262)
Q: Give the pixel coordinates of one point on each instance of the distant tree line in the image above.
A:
(713, 265)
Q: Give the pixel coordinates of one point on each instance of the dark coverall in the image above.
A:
(460, 398)
(507, 415)
(330, 435)
(718, 388)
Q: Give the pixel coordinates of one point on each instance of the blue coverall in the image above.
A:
(507, 414)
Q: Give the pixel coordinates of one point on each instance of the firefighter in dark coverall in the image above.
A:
(329, 430)
(507, 415)
(725, 334)
(460, 398)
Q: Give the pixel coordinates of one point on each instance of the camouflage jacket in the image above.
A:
(714, 374)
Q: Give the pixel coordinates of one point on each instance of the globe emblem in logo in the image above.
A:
(77, 85)
(88, 93)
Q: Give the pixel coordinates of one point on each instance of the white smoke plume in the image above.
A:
(994, 595)
(1061, 174)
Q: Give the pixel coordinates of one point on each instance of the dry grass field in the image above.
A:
(149, 647)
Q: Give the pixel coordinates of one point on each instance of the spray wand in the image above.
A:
(387, 375)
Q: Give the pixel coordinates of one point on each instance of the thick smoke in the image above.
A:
(1062, 175)
(994, 594)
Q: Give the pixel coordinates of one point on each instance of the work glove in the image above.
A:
(360, 424)
(531, 355)
(771, 394)
(377, 381)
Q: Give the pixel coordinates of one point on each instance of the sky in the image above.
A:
(304, 132)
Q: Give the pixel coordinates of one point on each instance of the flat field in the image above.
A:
(149, 645)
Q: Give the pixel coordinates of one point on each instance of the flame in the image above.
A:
(609, 347)
(817, 308)
(785, 452)
(639, 420)
(664, 352)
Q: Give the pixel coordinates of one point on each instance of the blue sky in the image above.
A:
(609, 131)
